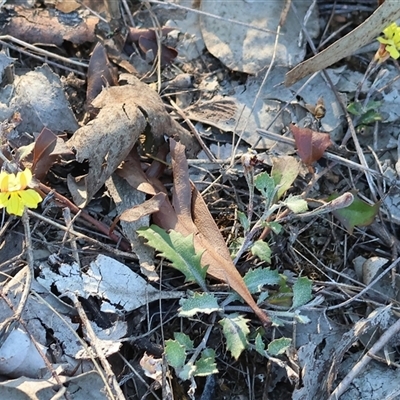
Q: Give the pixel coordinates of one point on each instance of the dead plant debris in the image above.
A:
(212, 224)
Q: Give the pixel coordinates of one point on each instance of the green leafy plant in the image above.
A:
(189, 361)
(267, 285)
(366, 114)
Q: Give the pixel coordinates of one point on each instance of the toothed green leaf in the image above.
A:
(179, 250)
(175, 353)
(266, 185)
(206, 365)
(301, 292)
(278, 346)
(261, 250)
(235, 330)
(198, 303)
(184, 340)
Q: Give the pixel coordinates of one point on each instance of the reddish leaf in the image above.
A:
(310, 144)
(147, 40)
(47, 147)
(100, 73)
(168, 54)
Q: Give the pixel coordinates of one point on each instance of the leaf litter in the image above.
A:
(259, 241)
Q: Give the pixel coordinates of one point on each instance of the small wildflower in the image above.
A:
(390, 43)
(14, 195)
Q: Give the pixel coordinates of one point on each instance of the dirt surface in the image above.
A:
(209, 217)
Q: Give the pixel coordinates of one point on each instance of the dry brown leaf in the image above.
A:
(131, 170)
(100, 73)
(349, 44)
(47, 147)
(310, 144)
(147, 41)
(148, 207)
(67, 6)
(190, 215)
(125, 112)
(218, 112)
(44, 26)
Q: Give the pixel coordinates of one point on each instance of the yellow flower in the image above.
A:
(14, 194)
(390, 43)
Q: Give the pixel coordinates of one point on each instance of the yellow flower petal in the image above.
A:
(30, 198)
(15, 205)
(13, 183)
(384, 40)
(24, 178)
(4, 181)
(4, 199)
(13, 193)
(390, 31)
(393, 52)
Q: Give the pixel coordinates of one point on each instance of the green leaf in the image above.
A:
(179, 250)
(262, 297)
(354, 108)
(296, 204)
(186, 372)
(175, 353)
(279, 346)
(198, 303)
(373, 105)
(184, 340)
(206, 365)
(260, 345)
(261, 250)
(276, 227)
(266, 185)
(358, 213)
(284, 296)
(369, 117)
(284, 172)
(235, 330)
(255, 279)
(244, 221)
(301, 292)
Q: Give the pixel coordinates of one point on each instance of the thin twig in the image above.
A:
(43, 59)
(69, 221)
(344, 384)
(368, 287)
(94, 342)
(82, 236)
(99, 225)
(42, 51)
(194, 131)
